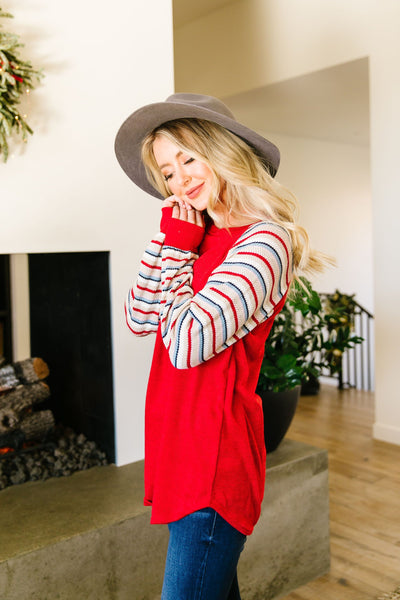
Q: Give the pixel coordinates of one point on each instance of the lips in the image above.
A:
(194, 192)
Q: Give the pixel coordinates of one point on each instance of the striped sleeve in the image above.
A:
(142, 306)
(239, 294)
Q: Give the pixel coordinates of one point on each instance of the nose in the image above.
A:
(182, 176)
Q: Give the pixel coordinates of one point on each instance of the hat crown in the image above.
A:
(205, 102)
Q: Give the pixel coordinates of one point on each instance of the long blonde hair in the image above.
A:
(249, 190)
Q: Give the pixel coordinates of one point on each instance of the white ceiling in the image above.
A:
(332, 104)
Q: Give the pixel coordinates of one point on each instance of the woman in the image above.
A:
(210, 285)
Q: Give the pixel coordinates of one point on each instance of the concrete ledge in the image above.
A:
(86, 537)
(290, 543)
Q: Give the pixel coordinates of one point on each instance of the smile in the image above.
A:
(194, 192)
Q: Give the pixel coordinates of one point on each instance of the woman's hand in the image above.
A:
(184, 211)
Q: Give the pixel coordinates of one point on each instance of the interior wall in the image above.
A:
(385, 134)
(332, 184)
(253, 43)
(64, 191)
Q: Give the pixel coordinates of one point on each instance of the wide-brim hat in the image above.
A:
(138, 125)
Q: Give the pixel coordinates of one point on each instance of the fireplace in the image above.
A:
(70, 330)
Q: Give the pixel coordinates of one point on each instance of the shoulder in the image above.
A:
(265, 233)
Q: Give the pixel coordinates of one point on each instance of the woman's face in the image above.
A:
(187, 177)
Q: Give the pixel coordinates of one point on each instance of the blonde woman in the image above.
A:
(210, 284)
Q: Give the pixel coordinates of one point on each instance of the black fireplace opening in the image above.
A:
(70, 328)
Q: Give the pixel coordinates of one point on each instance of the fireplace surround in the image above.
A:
(70, 328)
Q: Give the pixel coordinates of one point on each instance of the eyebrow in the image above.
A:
(177, 155)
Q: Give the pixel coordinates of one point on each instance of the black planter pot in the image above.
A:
(310, 387)
(279, 409)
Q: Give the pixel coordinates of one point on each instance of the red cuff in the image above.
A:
(166, 218)
(184, 235)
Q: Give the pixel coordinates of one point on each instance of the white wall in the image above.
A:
(385, 135)
(66, 191)
(253, 43)
(332, 183)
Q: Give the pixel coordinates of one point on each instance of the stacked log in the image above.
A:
(31, 447)
(30, 370)
(21, 389)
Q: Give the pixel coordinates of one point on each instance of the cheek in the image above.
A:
(206, 173)
(171, 187)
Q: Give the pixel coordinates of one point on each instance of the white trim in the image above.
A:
(386, 433)
(19, 280)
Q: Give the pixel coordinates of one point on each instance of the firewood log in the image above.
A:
(13, 439)
(13, 404)
(36, 425)
(25, 371)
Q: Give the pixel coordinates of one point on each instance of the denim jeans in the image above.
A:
(202, 557)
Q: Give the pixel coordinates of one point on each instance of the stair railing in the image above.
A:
(357, 363)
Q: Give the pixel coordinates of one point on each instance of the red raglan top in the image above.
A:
(211, 298)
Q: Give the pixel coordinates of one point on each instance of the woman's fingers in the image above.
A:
(176, 211)
(170, 201)
(183, 211)
(199, 218)
(191, 216)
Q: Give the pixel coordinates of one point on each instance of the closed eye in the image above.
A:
(186, 162)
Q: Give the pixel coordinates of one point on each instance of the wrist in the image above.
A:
(166, 217)
(183, 235)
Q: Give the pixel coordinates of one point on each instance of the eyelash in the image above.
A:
(188, 161)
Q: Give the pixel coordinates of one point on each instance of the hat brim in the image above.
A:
(138, 125)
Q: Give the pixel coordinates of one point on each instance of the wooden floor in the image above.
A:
(364, 483)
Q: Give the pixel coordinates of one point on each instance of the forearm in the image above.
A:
(241, 293)
(142, 306)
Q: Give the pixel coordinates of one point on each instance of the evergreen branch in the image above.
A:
(16, 77)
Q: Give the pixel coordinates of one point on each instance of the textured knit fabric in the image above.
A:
(211, 299)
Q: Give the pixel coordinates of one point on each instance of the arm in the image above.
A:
(241, 293)
(142, 306)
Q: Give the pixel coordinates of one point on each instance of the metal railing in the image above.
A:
(358, 362)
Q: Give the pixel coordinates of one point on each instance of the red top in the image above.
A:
(212, 311)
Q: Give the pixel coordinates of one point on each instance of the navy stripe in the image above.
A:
(151, 253)
(179, 325)
(238, 292)
(146, 321)
(142, 299)
(171, 313)
(220, 311)
(179, 251)
(252, 268)
(148, 278)
(277, 257)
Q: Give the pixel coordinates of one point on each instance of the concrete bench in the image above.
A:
(87, 537)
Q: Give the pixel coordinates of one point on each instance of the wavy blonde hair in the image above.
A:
(250, 193)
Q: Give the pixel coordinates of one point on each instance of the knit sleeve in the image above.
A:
(240, 293)
(142, 306)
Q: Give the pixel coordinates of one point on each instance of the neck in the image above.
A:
(231, 221)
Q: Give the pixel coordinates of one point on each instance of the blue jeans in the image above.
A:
(202, 557)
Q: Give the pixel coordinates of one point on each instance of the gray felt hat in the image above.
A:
(132, 132)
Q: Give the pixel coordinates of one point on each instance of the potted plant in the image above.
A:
(307, 338)
(291, 357)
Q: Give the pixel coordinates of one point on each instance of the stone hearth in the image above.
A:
(87, 536)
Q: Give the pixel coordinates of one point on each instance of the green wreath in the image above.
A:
(16, 80)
